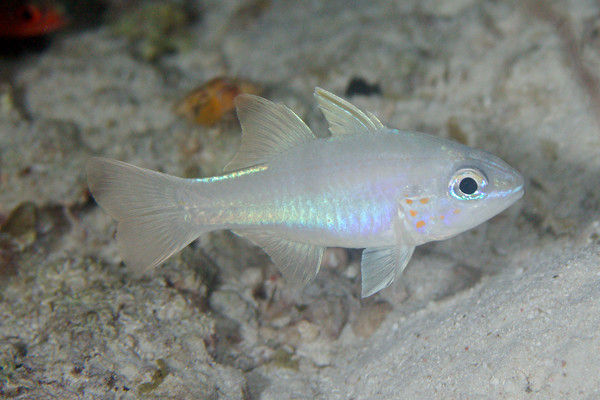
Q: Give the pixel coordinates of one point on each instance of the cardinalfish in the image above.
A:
(365, 186)
(25, 19)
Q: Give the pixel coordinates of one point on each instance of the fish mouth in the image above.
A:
(516, 190)
(517, 184)
(509, 189)
(507, 184)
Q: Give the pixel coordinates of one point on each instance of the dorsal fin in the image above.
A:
(268, 129)
(343, 117)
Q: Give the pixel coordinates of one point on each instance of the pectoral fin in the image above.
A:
(298, 262)
(381, 265)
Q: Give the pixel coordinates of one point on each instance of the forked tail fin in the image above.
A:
(152, 208)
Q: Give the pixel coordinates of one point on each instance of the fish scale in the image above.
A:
(366, 186)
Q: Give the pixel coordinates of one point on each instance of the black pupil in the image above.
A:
(26, 13)
(468, 186)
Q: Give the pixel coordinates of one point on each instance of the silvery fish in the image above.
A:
(365, 186)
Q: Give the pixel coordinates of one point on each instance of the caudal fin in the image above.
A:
(154, 219)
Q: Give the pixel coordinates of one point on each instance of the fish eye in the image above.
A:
(468, 184)
(29, 13)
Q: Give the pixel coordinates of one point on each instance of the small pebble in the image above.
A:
(370, 318)
(308, 331)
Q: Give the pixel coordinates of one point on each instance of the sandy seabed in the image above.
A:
(507, 310)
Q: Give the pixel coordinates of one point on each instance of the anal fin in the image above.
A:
(298, 262)
(381, 265)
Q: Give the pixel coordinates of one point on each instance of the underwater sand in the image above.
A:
(507, 310)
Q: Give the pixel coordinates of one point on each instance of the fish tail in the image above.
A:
(154, 210)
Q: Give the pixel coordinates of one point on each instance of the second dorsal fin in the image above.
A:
(268, 129)
(343, 117)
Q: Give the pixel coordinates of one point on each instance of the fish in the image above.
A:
(293, 194)
(26, 19)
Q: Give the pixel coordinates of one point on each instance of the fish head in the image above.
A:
(30, 18)
(470, 186)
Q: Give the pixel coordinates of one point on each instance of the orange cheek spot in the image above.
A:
(409, 201)
(420, 224)
(456, 211)
(442, 217)
(424, 200)
(413, 213)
